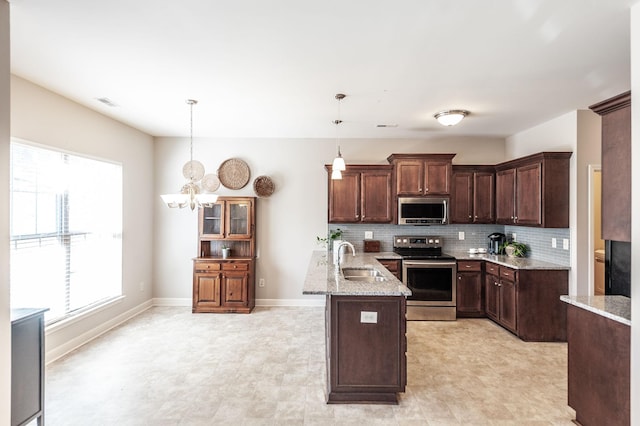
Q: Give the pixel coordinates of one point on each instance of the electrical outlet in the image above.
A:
(514, 237)
(261, 282)
(461, 235)
(554, 243)
(367, 317)
(368, 235)
(565, 243)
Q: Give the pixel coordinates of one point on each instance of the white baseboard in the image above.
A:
(84, 338)
(291, 302)
(172, 301)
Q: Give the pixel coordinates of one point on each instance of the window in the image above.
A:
(66, 231)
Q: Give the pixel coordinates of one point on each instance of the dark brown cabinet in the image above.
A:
(527, 301)
(473, 194)
(220, 284)
(469, 289)
(534, 191)
(364, 194)
(422, 174)
(616, 166)
(366, 348)
(394, 266)
(501, 302)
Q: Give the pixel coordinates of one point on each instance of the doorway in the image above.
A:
(596, 243)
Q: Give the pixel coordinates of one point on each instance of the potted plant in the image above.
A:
(226, 251)
(514, 249)
(334, 235)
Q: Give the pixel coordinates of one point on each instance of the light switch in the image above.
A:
(554, 243)
(461, 235)
(368, 235)
(367, 317)
(565, 243)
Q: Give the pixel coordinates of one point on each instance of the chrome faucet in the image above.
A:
(339, 250)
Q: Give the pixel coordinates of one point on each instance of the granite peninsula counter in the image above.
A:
(365, 327)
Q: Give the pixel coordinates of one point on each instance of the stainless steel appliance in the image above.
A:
(423, 210)
(430, 275)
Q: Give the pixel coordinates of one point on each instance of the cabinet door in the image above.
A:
(211, 223)
(505, 196)
(344, 198)
(529, 195)
(508, 304)
(461, 208)
(236, 285)
(206, 290)
(238, 219)
(469, 293)
(483, 197)
(410, 177)
(491, 296)
(437, 178)
(376, 197)
(393, 266)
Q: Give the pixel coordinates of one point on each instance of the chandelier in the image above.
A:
(190, 194)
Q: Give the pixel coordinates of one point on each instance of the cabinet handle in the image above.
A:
(511, 217)
(459, 278)
(469, 216)
(500, 285)
(467, 266)
(476, 216)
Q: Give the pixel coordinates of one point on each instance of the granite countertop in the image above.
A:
(323, 277)
(617, 308)
(511, 262)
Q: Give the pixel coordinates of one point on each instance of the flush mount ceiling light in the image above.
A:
(338, 165)
(451, 117)
(193, 171)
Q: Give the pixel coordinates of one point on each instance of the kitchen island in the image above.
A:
(599, 358)
(365, 327)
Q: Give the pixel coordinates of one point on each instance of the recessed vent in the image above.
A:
(386, 125)
(107, 102)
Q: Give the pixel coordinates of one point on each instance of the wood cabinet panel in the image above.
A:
(508, 304)
(410, 177)
(366, 358)
(473, 194)
(206, 290)
(394, 266)
(491, 296)
(470, 289)
(461, 206)
(528, 195)
(484, 197)
(363, 195)
(616, 166)
(422, 174)
(505, 196)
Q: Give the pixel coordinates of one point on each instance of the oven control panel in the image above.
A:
(414, 241)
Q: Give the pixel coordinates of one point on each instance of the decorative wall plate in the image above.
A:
(193, 170)
(233, 173)
(210, 182)
(263, 186)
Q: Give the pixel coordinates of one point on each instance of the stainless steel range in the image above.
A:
(430, 275)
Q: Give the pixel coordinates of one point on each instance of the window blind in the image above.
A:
(66, 230)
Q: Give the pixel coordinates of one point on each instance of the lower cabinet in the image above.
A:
(469, 289)
(223, 286)
(366, 349)
(394, 266)
(527, 301)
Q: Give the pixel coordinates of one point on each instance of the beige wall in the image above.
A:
(289, 221)
(5, 323)
(44, 117)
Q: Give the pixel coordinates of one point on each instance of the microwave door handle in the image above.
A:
(444, 219)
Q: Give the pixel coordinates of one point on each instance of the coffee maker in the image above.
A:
(495, 241)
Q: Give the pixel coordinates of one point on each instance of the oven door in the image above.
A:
(432, 282)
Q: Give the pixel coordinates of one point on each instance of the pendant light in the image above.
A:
(190, 194)
(338, 165)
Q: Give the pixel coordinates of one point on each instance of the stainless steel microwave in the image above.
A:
(423, 210)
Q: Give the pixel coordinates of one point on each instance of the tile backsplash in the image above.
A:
(538, 239)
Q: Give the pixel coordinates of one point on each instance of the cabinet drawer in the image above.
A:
(507, 273)
(391, 265)
(235, 266)
(206, 266)
(492, 268)
(465, 265)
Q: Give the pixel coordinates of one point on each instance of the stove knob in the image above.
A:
(405, 241)
(430, 241)
(437, 241)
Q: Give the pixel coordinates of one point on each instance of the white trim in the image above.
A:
(291, 302)
(171, 301)
(59, 325)
(591, 248)
(89, 335)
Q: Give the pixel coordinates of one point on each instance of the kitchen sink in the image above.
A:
(363, 274)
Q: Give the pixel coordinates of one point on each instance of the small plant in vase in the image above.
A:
(226, 251)
(333, 235)
(514, 249)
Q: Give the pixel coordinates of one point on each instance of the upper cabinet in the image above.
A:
(534, 191)
(616, 166)
(473, 194)
(364, 194)
(422, 174)
(227, 218)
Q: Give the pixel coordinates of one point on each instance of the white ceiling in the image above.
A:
(271, 68)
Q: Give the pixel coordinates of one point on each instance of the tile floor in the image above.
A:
(170, 367)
